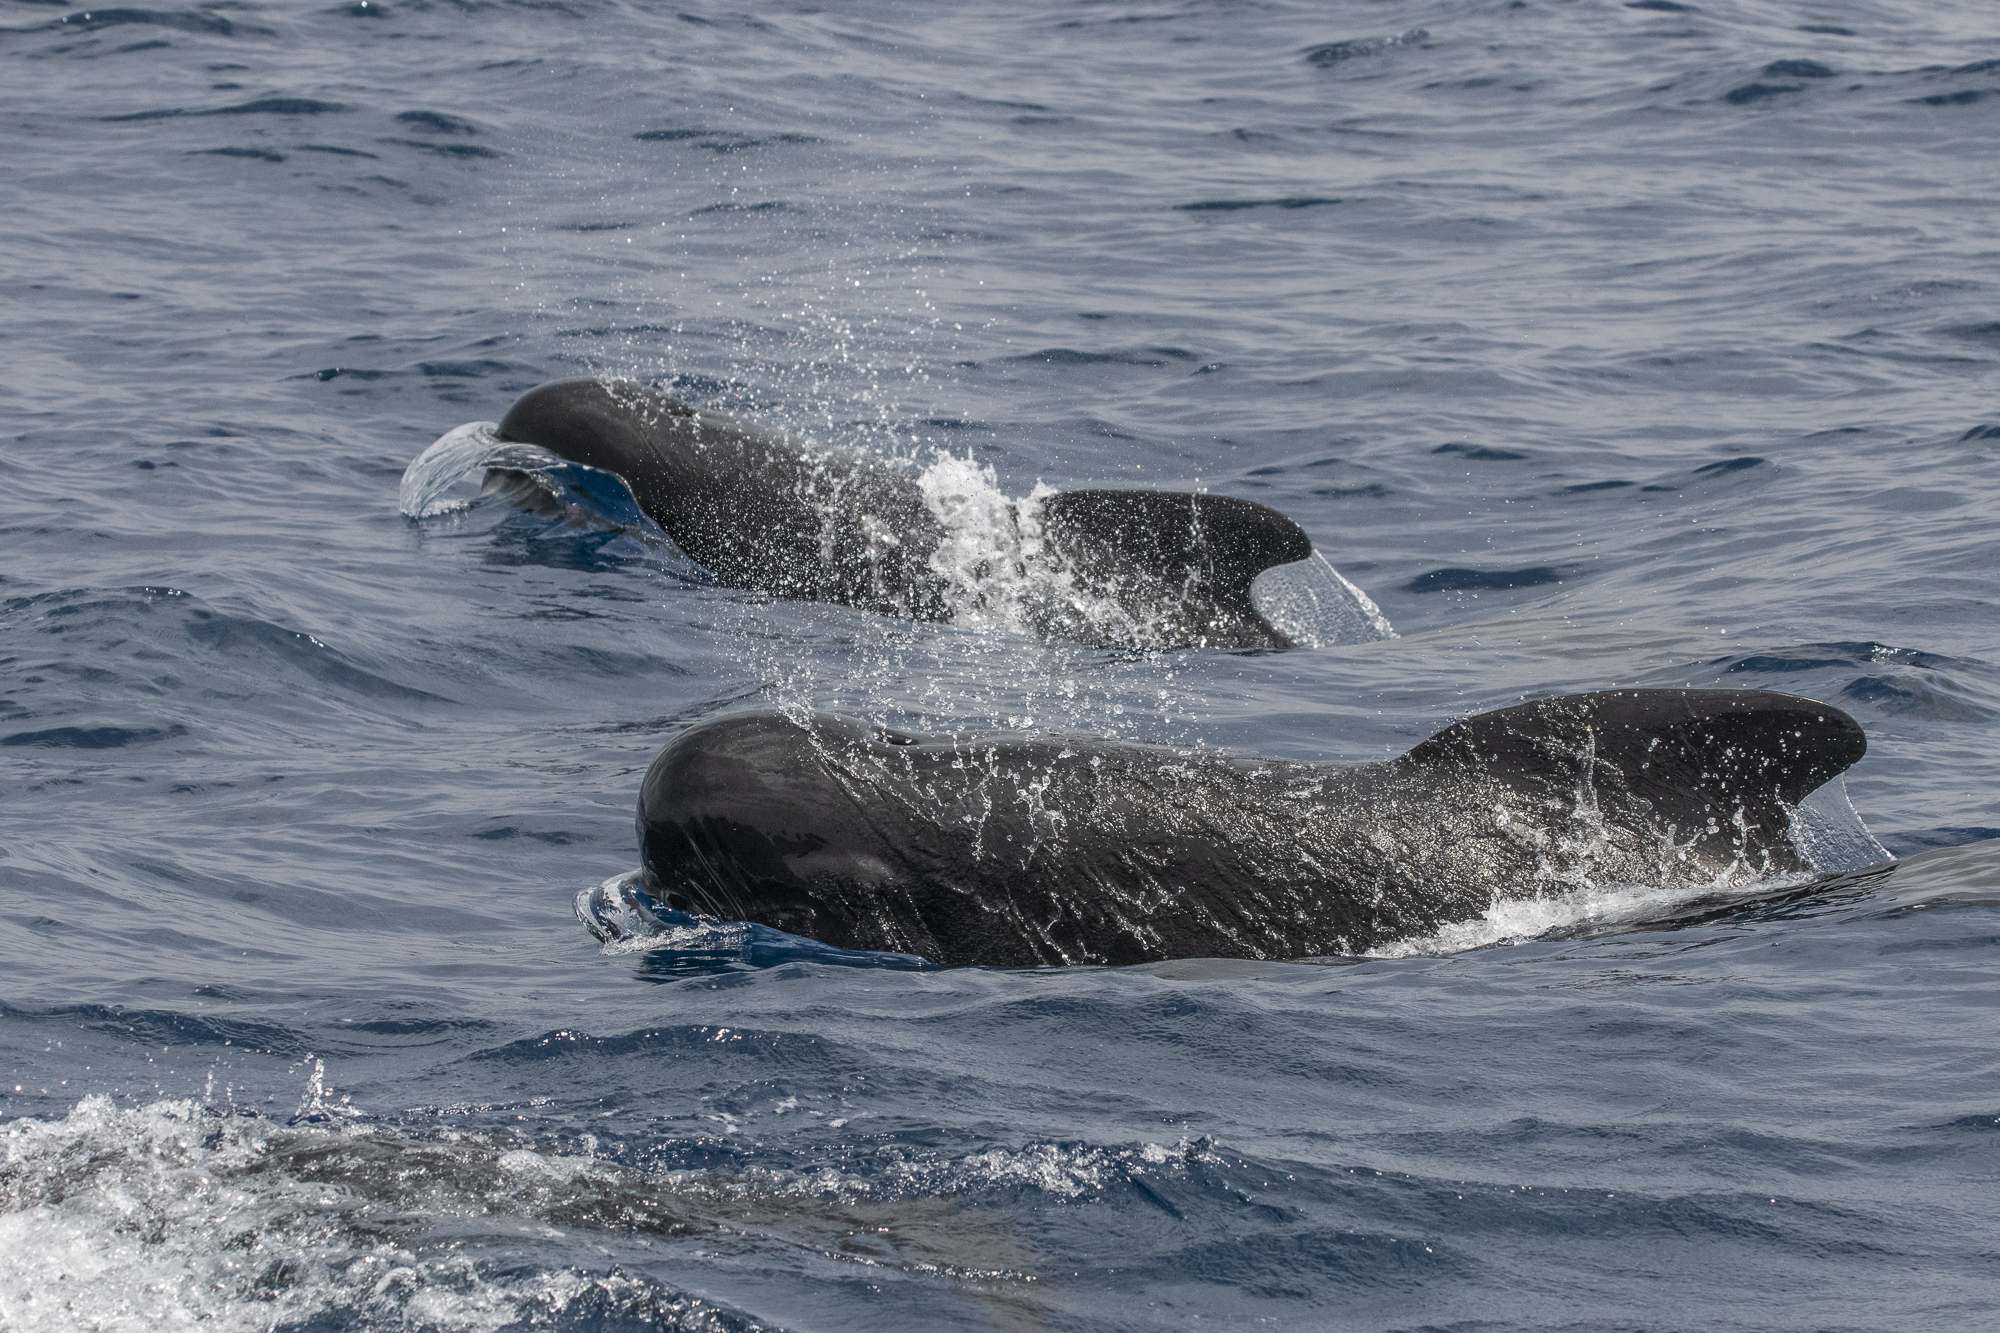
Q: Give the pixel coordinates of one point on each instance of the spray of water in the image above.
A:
(997, 570)
(179, 1215)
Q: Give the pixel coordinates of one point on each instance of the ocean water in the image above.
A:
(1649, 344)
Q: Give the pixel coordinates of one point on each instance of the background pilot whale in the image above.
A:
(1038, 850)
(763, 513)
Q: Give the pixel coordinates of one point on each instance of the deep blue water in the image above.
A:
(1600, 343)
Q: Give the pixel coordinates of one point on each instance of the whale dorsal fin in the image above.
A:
(1149, 550)
(1693, 759)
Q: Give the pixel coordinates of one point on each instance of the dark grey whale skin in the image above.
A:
(1042, 850)
(761, 513)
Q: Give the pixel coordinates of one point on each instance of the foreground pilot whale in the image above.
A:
(762, 513)
(1043, 850)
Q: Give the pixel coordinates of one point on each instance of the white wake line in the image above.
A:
(1825, 826)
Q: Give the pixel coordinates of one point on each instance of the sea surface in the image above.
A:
(1599, 343)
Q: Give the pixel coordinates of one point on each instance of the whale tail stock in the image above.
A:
(874, 840)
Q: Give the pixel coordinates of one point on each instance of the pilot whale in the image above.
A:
(762, 513)
(1023, 850)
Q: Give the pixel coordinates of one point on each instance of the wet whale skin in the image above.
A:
(763, 513)
(1037, 850)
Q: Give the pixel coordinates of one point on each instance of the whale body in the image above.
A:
(762, 513)
(1023, 850)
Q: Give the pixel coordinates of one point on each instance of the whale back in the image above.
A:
(1023, 850)
(1180, 563)
(755, 510)
(760, 512)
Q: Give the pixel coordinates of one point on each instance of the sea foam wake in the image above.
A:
(179, 1214)
(1825, 828)
(171, 1215)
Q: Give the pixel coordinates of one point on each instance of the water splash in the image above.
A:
(475, 446)
(1520, 920)
(173, 1216)
(628, 920)
(1001, 574)
(1828, 829)
(998, 571)
(1825, 829)
(1313, 605)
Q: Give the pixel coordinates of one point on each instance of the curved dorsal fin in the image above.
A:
(1151, 550)
(1693, 759)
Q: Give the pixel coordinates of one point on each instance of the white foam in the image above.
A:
(177, 1216)
(172, 1216)
(1825, 830)
(128, 1219)
(1517, 920)
(1064, 1171)
(994, 562)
